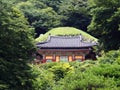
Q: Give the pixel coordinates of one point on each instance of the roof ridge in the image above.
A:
(51, 36)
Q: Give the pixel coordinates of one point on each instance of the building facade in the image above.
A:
(64, 49)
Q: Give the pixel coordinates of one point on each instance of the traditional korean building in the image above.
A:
(65, 48)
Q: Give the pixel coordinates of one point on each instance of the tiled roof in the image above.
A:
(65, 42)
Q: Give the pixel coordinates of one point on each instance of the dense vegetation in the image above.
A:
(103, 74)
(16, 45)
(105, 22)
(21, 21)
(44, 15)
(100, 17)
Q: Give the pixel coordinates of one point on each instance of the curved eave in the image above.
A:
(63, 47)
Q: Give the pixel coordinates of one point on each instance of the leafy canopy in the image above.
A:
(75, 14)
(16, 45)
(40, 16)
(105, 22)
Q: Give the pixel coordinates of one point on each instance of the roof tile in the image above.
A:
(65, 42)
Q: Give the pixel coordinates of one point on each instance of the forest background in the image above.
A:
(21, 21)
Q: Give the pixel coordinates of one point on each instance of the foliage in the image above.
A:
(64, 76)
(65, 31)
(87, 75)
(16, 38)
(75, 14)
(60, 70)
(108, 71)
(16, 35)
(85, 81)
(40, 16)
(110, 57)
(44, 79)
(83, 66)
(105, 22)
(16, 44)
(48, 74)
(44, 15)
(15, 75)
(55, 4)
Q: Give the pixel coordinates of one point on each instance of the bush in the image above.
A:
(60, 70)
(85, 81)
(49, 74)
(88, 75)
(108, 71)
(82, 66)
(44, 79)
(110, 57)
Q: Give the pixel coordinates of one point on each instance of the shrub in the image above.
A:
(110, 57)
(85, 81)
(48, 74)
(44, 79)
(108, 71)
(82, 66)
(87, 75)
(60, 70)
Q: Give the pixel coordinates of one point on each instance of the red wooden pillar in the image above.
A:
(73, 57)
(44, 59)
(83, 57)
(54, 60)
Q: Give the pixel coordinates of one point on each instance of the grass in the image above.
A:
(67, 31)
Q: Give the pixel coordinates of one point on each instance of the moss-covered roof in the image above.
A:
(65, 31)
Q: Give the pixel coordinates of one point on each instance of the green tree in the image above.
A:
(39, 15)
(55, 4)
(75, 13)
(105, 22)
(16, 45)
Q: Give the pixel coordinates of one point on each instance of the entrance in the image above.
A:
(63, 58)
